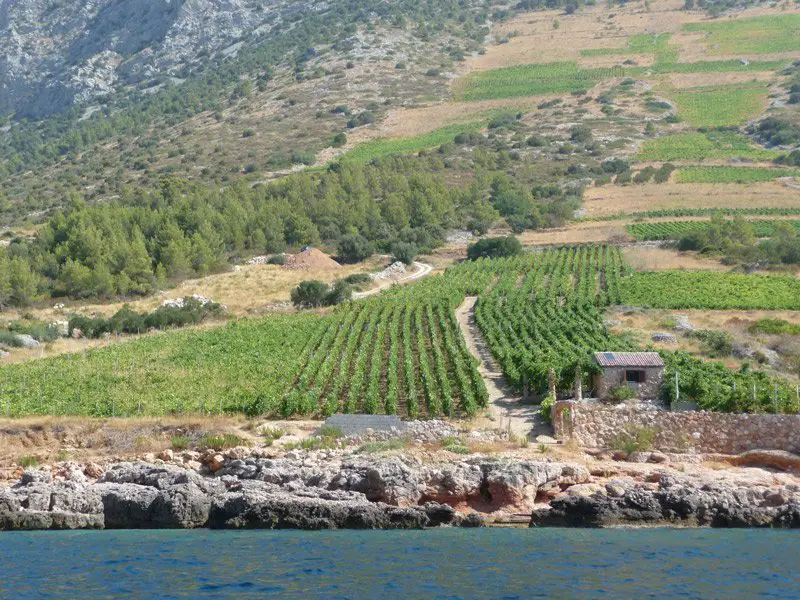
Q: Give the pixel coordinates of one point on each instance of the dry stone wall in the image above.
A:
(597, 426)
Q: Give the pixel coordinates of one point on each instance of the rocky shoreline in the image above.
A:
(326, 490)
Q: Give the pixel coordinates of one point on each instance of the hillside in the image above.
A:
(664, 136)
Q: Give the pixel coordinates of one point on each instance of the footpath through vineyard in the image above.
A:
(505, 406)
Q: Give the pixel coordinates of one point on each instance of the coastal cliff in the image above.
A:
(327, 490)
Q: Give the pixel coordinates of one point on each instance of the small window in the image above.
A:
(635, 376)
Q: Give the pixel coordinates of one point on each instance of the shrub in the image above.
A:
(405, 252)
(310, 294)
(716, 343)
(546, 409)
(634, 439)
(354, 248)
(248, 133)
(223, 441)
(339, 292)
(271, 434)
(27, 461)
(339, 140)
(581, 134)
(277, 259)
(129, 321)
(180, 442)
(620, 393)
(358, 279)
(494, 248)
(384, 446)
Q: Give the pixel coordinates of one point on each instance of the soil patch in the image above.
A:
(310, 259)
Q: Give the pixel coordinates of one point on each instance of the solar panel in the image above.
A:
(608, 356)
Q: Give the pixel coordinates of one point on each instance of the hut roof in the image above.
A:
(629, 359)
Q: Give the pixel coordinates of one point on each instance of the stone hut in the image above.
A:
(642, 371)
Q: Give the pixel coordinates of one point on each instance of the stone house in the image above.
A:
(642, 371)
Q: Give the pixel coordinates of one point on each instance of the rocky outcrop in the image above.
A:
(675, 503)
(54, 55)
(305, 491)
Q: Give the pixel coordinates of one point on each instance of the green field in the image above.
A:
(673, 230)
(720, 106)
(244, 366)
(711, 289)
(700, 212)
(759, 35)
(368, 151)
(703, 146)
(531, 80)
(400, 352)
(732, 174)
(658, 45)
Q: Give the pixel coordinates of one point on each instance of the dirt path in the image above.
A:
(421, 271)
(505, 406)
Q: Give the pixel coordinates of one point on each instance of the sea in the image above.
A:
(440, 563)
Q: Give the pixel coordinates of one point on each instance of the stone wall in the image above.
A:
(611, 377)
(596, 426)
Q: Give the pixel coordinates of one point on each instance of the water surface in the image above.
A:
(445, 563)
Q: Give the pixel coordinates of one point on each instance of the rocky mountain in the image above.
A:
(58, 53)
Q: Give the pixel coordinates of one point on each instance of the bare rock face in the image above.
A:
(57, 54)
(674, 502)
(39, 503)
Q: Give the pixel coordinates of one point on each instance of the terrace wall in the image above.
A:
(596, 425)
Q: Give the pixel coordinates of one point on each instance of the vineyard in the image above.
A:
(368, 151)
(759, 35)
(531, 80)
(714, 290)
(543, 313)
(720, 106)
(242, 367)
(732, 174)
(703, 146)
(401, 352)
(701, 212)
(674, 230)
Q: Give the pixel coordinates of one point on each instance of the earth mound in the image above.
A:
(311, 259)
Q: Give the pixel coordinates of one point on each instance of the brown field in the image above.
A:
(575, 234)
(646, 258)
(691, 80)
(592, 27)
(612, 200)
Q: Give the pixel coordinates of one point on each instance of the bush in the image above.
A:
(620, 393)
(27, 461)
(180, 442)
(581, 134)
(248, 133)
(354, 248)
(223, 441)
(546, 409)
(405, 252)
(494, 248)
(339, 292)
(716, 343)
(339, 140)
(277, 259)
(129, 321)
(358, 279)
(634, 439)
(310, 294)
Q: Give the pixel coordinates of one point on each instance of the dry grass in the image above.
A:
(575, 234)
(612, 200)
(664, 259)
(692, 80)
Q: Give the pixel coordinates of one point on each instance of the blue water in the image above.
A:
(446, 563)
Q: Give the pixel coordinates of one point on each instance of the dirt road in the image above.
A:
(505, 406)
